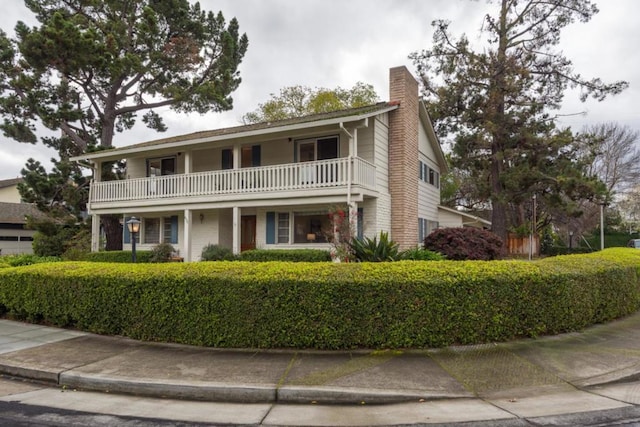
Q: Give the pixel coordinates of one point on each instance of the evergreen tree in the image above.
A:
(90, 67)
(495, 103)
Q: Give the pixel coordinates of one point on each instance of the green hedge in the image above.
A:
(407, 304)
(117, 256)
(293, 255)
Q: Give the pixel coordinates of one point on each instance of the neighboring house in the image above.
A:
(449, 217)
(14, 238)
(9, 190)
(272, 185)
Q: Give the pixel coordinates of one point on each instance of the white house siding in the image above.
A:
(366, 142)
(10, 194)
(449, 219)
(276, 152)
(206, 160)
(428, 194)
(203, 232)
(382, 204)
(425, 146)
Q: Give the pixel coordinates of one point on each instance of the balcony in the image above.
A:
(325, 174)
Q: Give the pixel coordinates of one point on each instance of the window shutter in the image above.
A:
(227, 158)
(255, 155)
(127, 235)
(360, 224)
(174, 229)
(420, 169)
(271, 228)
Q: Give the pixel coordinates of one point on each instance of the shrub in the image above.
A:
(464, 243)
(418, 254)
(372, 250)
(161, 252)
(78, 246)
(26, 259)
(291, 255)
(117, 256)
(328, 305)
(216, 253)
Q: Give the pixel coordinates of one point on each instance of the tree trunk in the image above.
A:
(499, 134)
(113, 232)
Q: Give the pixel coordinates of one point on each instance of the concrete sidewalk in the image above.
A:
(583, 372)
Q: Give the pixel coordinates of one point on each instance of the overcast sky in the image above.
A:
(329, 43)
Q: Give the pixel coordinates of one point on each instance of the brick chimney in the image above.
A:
(403, 157)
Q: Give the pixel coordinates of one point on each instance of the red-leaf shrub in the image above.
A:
(464, 243)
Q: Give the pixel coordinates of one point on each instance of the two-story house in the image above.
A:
(272, 185)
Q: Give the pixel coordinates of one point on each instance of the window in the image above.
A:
(428, 175)
(434, 178)
(318, 149)
(161, 166)
(422, 230)
(168, 235)
(152, 230)
(26, 238)
(8, 238)
(283, 228)
(310, 228)
(227, 158)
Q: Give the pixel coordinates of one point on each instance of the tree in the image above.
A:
(617, 157)
(298, 101)
(90, 67)
(496, 103)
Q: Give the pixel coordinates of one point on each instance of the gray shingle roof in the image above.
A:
(10, 182)
(14, 213)
(367, 111)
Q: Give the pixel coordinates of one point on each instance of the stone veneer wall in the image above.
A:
(403, 157)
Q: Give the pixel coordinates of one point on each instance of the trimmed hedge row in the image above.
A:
(407, 304)
(117, 256)
(293, 255)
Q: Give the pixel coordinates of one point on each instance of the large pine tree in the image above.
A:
(91, 66)
(495, 103)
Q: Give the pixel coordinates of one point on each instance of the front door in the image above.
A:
(247, 232)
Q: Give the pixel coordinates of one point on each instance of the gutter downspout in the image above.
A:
(352, 143)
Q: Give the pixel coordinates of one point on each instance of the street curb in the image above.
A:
(34, 374)
(344, 395)
(215, 392)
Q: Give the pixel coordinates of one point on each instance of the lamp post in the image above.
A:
(134, 227)
(570, 240)
(602, 205)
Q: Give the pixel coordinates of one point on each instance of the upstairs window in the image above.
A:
(161, 166)
(310, 150)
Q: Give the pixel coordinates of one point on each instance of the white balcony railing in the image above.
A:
(293, 176)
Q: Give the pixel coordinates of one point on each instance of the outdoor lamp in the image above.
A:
(134, 227)
(570, 239)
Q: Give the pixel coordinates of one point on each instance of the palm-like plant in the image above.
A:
(374, 250)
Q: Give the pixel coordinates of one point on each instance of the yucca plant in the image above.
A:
(374, 250)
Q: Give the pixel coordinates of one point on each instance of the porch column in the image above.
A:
(188, 162)
(186, 238)
(95, 233)
(353, 219)
(237, 156)
(236, 230)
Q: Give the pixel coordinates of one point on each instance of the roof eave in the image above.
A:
(120, 153)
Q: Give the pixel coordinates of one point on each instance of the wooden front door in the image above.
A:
(247, 232)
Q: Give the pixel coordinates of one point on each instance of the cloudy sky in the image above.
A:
(329, 43)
